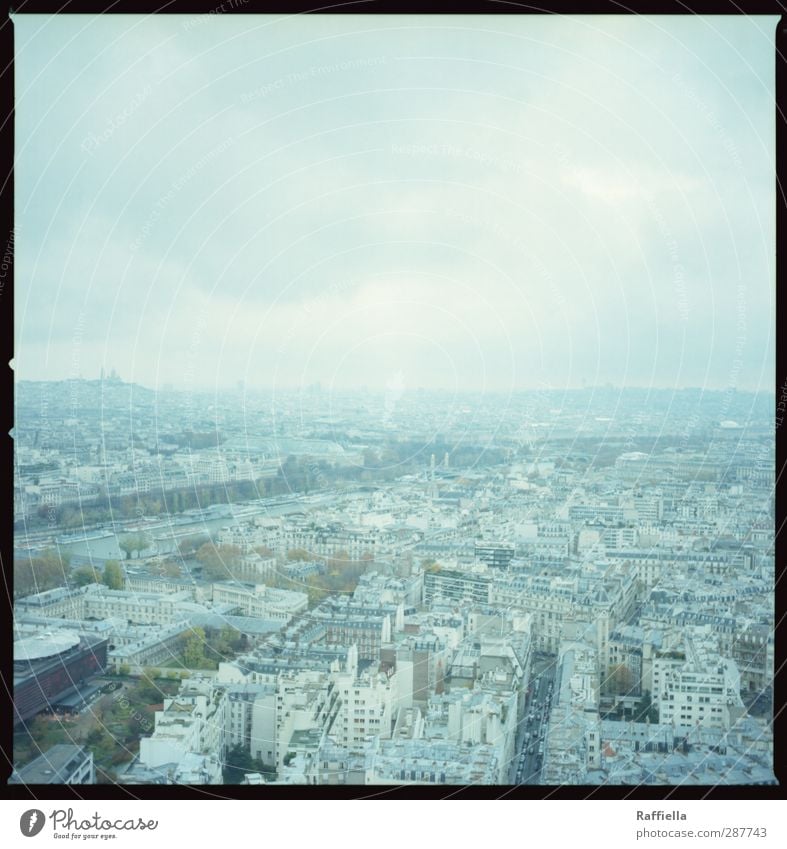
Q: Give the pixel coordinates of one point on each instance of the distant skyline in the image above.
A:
(457, 203)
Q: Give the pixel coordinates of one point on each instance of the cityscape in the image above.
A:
(549, 588)
(393, 404)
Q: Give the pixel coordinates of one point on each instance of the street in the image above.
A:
(526, 767)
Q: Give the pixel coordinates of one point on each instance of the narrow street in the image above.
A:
(526, 768)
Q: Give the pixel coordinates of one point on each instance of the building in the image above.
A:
(260, 600)
(455, 585)
(136, 607)
(366, 707)
(408, 761)
(367, 626)
(51, 667)
(495, 554)
(189, 737)
(572, 743)
(61, 764)
(57, 603)
(699, 689)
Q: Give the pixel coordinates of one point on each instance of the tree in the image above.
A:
(188, 545)
(85, 575)
(646, 710)
(222, 644)
(127, 545)
(133, 542)
(113, 575)
(124, 669)
(171, 569)
(147, 690)
(194, 649)
(314, 591)
(36, 574)
(620, 680)
(239, 762)
(219, 563)
(298, 554)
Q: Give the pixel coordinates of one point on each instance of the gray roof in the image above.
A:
(52, 767)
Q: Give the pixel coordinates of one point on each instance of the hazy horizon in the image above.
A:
(454, 203)
(376, 389)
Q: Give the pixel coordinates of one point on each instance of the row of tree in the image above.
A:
(341, 575)
(111, 575)
(37, 574)
(296, 474)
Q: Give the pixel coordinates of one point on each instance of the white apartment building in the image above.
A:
(193, 723)
(305, 700)
(481, 716)
(572, 741)
(248, 708)
(702, 690)
(367, 707)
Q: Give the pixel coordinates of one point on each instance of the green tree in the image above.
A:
(238, 762)
(194, 649)
(646, 710)
(188, 545)
(620, 680)
(36, 574)
(222, 644)
(133, 542)
(147, 690)
(171, 569)
(85, 575)
(314, 590)
(219, 563)
(127, 544)
(113, 575)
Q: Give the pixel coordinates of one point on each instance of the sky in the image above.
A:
(481, 203)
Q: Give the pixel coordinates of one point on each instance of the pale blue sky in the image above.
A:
(502, 202)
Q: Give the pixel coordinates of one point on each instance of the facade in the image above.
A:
(57, 603)
(260, 601)
(497, 555)
(135, 607)
(456, 585)
(703, 691)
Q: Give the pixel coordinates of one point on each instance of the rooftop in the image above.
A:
(54, 766)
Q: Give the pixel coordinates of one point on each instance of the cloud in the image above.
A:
(490, 203)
